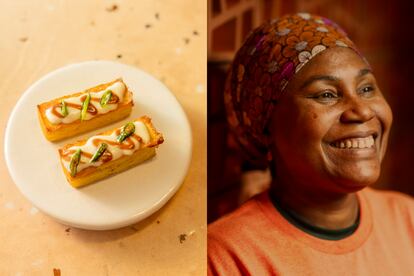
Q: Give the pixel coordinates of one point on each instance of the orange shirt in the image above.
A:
(257, 240)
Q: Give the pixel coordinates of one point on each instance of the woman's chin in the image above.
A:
(357, 178)
(356, 182)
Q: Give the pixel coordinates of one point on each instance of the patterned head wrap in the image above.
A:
(271, 55)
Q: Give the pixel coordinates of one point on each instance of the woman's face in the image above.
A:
(330, 128)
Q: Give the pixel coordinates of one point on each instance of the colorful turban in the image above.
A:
(271, 55)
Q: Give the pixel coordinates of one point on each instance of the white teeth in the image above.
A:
(361, 143)
(370, 142)
(355, 143)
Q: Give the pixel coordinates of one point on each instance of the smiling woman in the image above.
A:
(331, 126)
(303, 101)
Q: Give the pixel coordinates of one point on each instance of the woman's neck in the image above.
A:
(322, 210)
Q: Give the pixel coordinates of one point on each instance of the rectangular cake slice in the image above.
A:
(110, 152)
(95, 107)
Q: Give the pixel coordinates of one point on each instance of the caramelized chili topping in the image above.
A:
(106, 97)
(74, 162)
(127, 130)
(102, 148)
(64, 108)
(85, 105)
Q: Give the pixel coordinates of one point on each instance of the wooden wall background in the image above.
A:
(383, 32)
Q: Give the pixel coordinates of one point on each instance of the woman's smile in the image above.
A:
(356, 145)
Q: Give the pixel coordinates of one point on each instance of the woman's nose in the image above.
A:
(357, 111)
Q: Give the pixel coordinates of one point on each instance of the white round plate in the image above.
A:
(117, 201)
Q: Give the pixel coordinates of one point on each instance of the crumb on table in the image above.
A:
(112, 8)
(182, 237)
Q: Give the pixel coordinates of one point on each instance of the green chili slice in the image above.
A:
(99, 152)
(74, 162)
(85, 105)
(106, 97)
(64, 109)
(127, 130)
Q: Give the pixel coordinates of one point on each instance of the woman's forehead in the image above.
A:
(332, 64)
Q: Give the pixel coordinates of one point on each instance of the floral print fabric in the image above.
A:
(262, 68)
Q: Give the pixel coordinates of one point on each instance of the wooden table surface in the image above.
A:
(166, 38)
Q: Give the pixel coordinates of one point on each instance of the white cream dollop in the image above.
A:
(140, 130)
(118, 88)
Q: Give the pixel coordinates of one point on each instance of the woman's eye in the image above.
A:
(367, 90)
(327, 95)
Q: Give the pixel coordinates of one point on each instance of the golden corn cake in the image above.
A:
(80, 112)
(110, 152)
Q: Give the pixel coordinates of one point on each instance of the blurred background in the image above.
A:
(382, 31)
